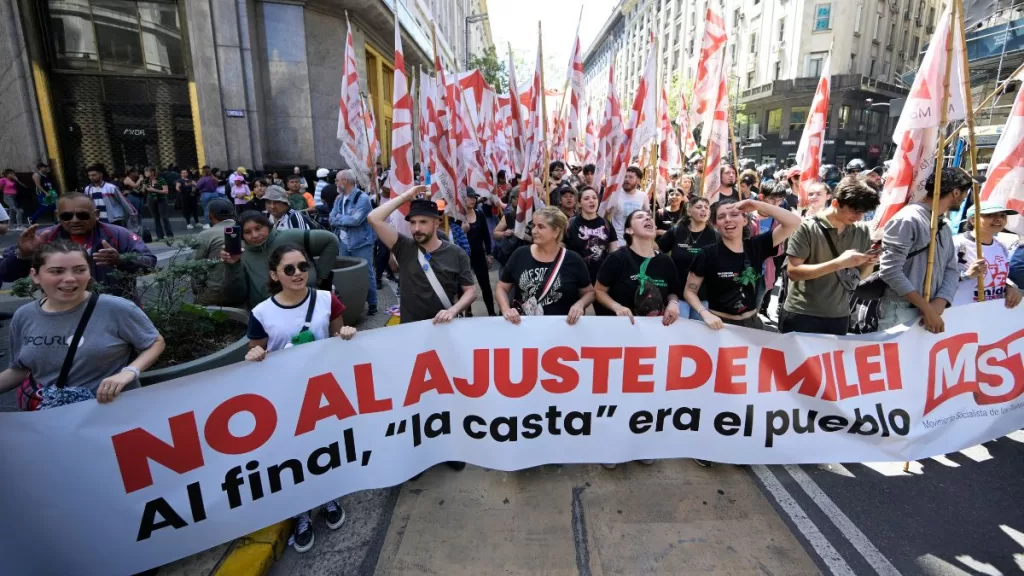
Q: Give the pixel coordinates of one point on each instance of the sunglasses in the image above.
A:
(289, 269)
(81, 215)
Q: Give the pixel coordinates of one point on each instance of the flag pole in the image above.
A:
(939, 156)
(543, 112)
(970, 142)
(656, 92)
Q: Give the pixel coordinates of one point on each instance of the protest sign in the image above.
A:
(170, 470)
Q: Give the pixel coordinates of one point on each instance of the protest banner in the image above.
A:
(179, 467)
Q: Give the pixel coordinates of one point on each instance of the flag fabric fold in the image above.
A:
(1005, 177)
(574, 130)
(808, 153)
(444, 174)
(400, 177)
(352, 130)
(669, 155)
(529, 190)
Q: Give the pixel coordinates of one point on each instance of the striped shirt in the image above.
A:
(107, 199)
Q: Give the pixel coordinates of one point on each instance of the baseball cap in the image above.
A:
(240, 170)
(322, 173)
(988, 207)
(221, 208)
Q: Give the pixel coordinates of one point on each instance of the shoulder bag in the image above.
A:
(849, 278)
(428, 271)
(873, 287)
(60, 394)
(305, 336)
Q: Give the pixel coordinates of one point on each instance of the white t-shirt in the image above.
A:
(278, 323)
(626, 205)
(998, 258)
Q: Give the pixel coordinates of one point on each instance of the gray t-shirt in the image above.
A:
(117, 328)
(451, 266)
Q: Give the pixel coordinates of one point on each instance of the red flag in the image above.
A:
(590, 144)
(808, 154)
(669, 155)
(1005, 183)
(529, 191)
(709, 66)
(400, 176)
(610, 136)
(351, 120)
(917, 132)
(574, 131)
(689, 145)
(718, 140)
(516, 118)
(425, 122)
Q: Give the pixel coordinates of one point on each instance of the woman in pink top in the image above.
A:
(9, 185)
(240, 192)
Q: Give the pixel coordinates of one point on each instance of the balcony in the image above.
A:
(782, 89)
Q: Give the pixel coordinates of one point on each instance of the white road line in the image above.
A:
(875, 558)
(835, 561)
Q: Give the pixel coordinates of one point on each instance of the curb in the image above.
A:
(253, 555)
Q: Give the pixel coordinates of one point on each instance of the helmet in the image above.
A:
(830, 172)
(856, 166)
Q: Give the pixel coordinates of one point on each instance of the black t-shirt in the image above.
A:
(188, 187)
(732, 279)
(621, 269)
(664, 219)
(684, 247)
(328, 195)
(590, 239)
(527, 275)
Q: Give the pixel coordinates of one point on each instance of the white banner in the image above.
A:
(168, 471)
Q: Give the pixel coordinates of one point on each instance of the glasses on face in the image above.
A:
(79, 214)
(289, 269)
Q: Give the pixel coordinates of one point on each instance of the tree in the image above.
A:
(493, 70)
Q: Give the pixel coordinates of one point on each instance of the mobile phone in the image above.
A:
(875, 250)
(232, 240)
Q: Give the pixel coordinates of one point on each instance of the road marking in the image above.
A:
(875, 558)
(579, 533)
(835, 561)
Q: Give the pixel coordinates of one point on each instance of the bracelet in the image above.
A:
(131, 369)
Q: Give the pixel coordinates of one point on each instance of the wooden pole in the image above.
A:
(939, 156)
(543, 113)
(971, 143)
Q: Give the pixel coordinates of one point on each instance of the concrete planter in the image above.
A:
(229, 355)
(351, 282)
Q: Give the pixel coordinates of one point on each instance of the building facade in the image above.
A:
(775, 53)
(220, 82)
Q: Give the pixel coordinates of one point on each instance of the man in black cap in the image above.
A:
(221, 214)
(432, 272)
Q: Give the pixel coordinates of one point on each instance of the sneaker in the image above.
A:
(206, 226)
(457, 466)
(704, 463)
(335, 515)
(188, 227)
(609, 466)
(302, 534)
(371, 311)
(647, 462)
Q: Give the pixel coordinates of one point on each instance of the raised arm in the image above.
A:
(378, 218)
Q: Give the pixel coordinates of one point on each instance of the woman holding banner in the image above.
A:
(296, 314)
(548, 279)
(685, 240)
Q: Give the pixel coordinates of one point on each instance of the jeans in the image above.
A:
(50, 209)
(364, 253)
(892, 313)
(807, 324)
(158, 210)
(685, 311)
(204, 200)
(136, 201)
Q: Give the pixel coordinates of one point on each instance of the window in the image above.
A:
(798, 117)
(872, 117)
(774, 121)
(814, 63)
(856, 21)
(753, 43)
(755, 128)
(782, 29)
(931, 16)
(736, 17)
(871, 69)
(778, 70)
(844, 117)
(914, 46)
(892, 36)
(878, 27)
(853, 64)
(903, 44)
(822, 17)
(750, 79)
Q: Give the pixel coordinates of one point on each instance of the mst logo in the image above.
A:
(994, 373)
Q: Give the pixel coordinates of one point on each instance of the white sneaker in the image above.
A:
(188, 227)
(206, 226)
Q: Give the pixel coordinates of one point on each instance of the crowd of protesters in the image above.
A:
(672, 254)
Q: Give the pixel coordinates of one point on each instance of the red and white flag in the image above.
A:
(515, 113)
(590, 144)
(689, 145)
(574, 129)
(709, 67)
(1005, 177)
(717, 140)
(609, 138)
(917, 132)
(808, 153)
(400, 175)
(643, 120)
(351, 120)
(529, 191)
(669, 156)
(426, 93)
(444, 175)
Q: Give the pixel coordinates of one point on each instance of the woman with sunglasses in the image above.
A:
(296, 314)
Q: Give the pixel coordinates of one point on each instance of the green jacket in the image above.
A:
(248, 278)
(211, 242)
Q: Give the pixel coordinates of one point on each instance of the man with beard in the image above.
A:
(873, 178)
(630, 199)
(727, 187)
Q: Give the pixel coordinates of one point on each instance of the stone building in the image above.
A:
(221, 82)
